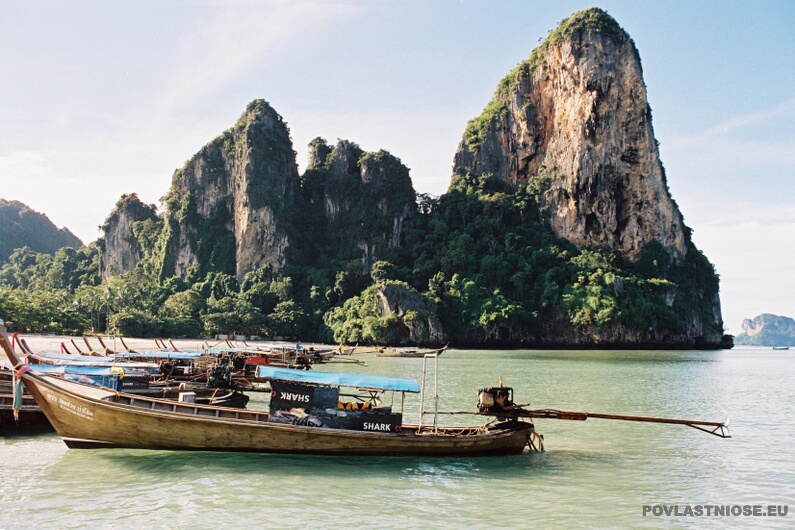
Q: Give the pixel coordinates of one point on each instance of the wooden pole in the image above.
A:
(720, 429)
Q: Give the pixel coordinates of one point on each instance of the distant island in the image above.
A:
(21, 226)
(767, 330)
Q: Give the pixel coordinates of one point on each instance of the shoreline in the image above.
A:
(52, 343)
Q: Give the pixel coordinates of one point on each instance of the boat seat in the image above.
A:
(353, 405)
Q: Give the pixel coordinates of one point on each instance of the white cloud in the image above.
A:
(782, 111)
(744, 160)
(733, 183)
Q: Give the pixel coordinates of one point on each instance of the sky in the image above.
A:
(99, 99)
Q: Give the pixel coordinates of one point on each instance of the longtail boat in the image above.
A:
(308, 414)
(140, 378)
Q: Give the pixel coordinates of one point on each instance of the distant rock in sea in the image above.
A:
(767, 330)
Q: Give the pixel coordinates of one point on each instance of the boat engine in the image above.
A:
(239, 361)
(221, 376)
(496, 401)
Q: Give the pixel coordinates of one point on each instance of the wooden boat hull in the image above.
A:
(87, 417)
(32, 419)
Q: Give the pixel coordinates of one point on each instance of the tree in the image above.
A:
(383, 271)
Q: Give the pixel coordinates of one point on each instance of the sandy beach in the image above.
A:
(52, 343)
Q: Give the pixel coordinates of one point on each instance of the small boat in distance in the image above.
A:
(410, 352)
(780, 347)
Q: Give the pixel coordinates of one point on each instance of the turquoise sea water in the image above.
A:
(596, 473)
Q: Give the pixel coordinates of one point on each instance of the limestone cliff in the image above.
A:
(354, 203)
(121, 246)
(228, 208)
(576, 113)
(239, 205)
(573, 123)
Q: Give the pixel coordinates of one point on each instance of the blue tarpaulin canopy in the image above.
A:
(71, 369)
(61, 359)
(169, 355)
(372, 382)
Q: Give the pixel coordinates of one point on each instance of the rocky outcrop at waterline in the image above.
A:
(767, 330)
(421, 324)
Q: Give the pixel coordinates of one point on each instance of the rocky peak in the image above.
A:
(226, 207)
(122, 250)
(319, 150)
(357, 200)
(575, 114)
(343, 160)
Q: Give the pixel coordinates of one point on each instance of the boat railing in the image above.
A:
(195, 410)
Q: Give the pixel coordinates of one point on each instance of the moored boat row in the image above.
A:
(309, 412)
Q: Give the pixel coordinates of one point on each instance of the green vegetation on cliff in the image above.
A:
(482, 258)
(482, 255)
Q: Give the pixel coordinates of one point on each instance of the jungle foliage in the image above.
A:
(482, 255)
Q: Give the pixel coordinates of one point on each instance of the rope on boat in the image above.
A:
(536, 442)
(17, 389)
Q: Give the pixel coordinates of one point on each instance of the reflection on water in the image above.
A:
(595, 473)
(119, 463)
